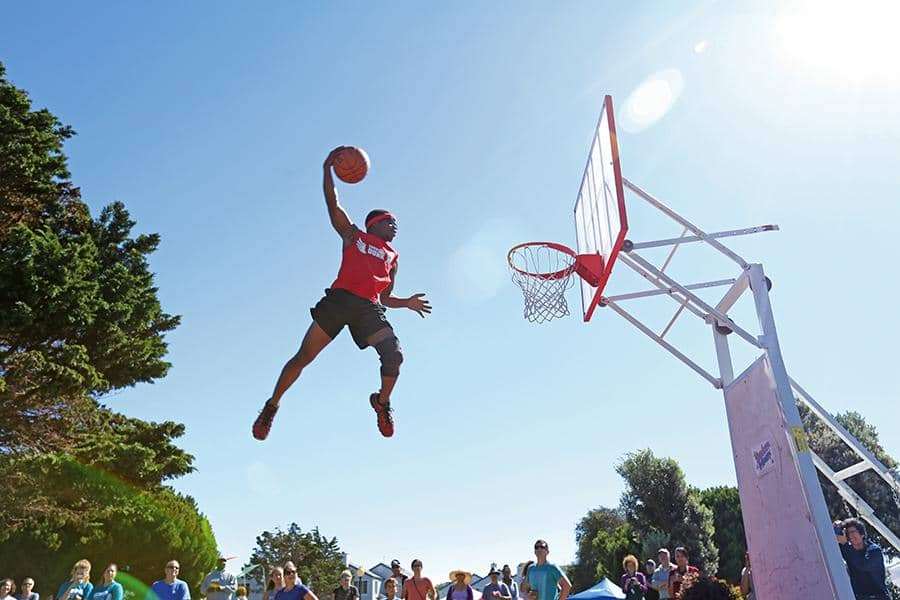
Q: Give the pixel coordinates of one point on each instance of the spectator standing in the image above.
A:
(545, 578)
(6, 588)
(240, 593)
(660, 579)
(865, 560)
(108, 588)
(398, 576)
(524, 592)
(79, 586)
(680, 572)
(28, 592)
(418, 587)
(496, 589)
(632, 582)
(705, 588)
(345, 591)
(390, 589)
(275, 583)
(649, 569)
(747, 588)
(510, 582)
(293, 588)
(460, 588)
(170, 587)
(219, 584)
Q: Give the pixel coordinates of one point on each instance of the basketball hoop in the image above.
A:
(543, 271)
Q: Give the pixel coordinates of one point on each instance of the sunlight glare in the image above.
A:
(853, 40)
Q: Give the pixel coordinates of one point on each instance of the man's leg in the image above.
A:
(389, 352)
(388, 347)
(313, 343)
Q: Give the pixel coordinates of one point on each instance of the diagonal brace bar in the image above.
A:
(715, 381)
(719, 316)
(679, 219)
(669, 290)
(687, 239)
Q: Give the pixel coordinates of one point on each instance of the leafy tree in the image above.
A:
(868, 485)
(657, 498)
(725, 504)
(104, 500)
(79, 318)
(611, 546)
(594, 536)
(79, 314)
(318, 559)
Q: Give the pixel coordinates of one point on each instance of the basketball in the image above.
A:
(351, 164)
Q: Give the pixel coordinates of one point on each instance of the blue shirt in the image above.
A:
(113, 591)
(866, 570)
(298, 592)
(164, 591)
(544, 579)
(78, 590)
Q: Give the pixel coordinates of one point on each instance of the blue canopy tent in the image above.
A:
(602, 590)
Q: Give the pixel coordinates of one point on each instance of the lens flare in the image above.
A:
(651, 100)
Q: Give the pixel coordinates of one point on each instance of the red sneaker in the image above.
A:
(385, 417)
(263, 422)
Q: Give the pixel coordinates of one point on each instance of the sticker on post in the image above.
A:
(764, 458)
(800, 439)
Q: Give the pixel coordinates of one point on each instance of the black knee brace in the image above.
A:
(391, 356)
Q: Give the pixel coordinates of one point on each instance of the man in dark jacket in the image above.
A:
(865, 561)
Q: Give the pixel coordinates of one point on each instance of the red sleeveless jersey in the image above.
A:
(366, 266)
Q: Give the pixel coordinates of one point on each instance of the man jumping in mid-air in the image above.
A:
(357, 298)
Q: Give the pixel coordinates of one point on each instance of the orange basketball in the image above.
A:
(351, 164)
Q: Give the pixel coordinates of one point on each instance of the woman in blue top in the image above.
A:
(79, 586)
(109, 588)
(293, 588)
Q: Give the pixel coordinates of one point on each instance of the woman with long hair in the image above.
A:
(79, 586)
(6, 588)
(275, 583)
(108, 588)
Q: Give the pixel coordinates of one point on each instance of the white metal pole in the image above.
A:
(837, 573)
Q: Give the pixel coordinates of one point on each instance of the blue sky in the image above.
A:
(211, 121)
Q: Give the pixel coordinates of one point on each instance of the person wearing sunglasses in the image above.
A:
(170, 587)
(293, 588)
(418, 587)
(546, 579)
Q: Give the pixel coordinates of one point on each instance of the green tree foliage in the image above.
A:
(79, 314)
(868, 485)
(657, 498)
(725, 504)
(79, 318)
(104, 501)
(603, 537)
(318, 559)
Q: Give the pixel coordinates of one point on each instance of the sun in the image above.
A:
(854, 41)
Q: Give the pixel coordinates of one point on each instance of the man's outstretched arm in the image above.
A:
(416, 302)
(340, 220)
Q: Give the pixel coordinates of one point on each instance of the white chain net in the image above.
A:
(545, 297)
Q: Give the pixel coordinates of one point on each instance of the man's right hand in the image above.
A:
(329, 160)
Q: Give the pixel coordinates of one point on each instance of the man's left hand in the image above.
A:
(418, 303)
